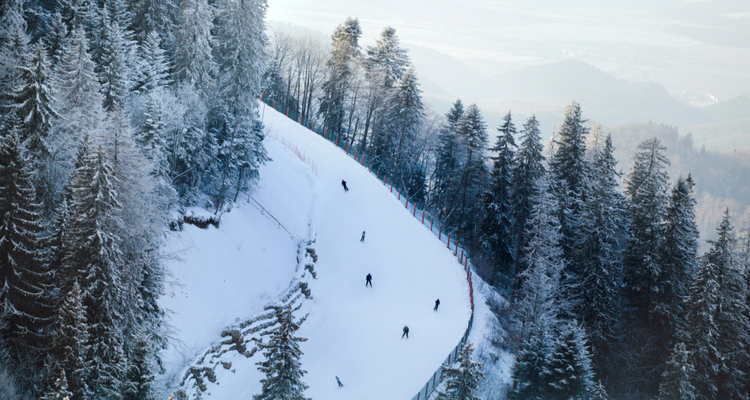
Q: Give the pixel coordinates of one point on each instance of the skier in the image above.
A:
(369, 280)
(406, 332)
(339, 382)
(343, 183)
(437, 304)
(363, 237)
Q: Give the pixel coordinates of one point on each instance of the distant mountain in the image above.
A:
(560, 78)
(603, 97)
(736, 108)
(545, 90)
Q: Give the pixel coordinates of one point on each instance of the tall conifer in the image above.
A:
(282, 367)
(497, 224)
(25, 302)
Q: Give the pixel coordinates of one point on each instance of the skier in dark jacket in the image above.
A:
(363, 237)
(339, 382)
(369, 280)
(406, 332)
(437, 304)
(343, 183)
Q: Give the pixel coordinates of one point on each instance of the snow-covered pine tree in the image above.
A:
(497, 240)
(115, 62)
(94, 260)
(596, 292)
(282, 367)
(405, 116)
(344, 52)
(25, 302)
(153, 16)
(151, 136)
(570, 375)
(140, 372)
(55, 39)
(274, 86)
(646, 188)
(154, 68)
(700, 331)
(531, 371)
(461, 381)
(448, 161)
(35, 109)
(194, 63)
(538, 299)
(678, 375)
(678, 252)
(528, 167)
(79, 101)
(234, 120)
(599, 392)
(11, 19)
(70, 348)
(59, 390)
(388, 56)
(78, 13)
(721, 374)
(13, 47)
(120, 13)
(34, 103)
(570, 170)
(385, 65)
(143, 215)
(472, 131)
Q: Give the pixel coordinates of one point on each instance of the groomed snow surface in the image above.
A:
(221, 275)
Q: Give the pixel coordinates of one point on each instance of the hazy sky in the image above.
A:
(688, 46)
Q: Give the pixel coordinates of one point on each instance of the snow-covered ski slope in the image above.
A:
(353, 332)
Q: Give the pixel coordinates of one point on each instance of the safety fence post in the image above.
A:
(287, 112)
(261, 97)
(456, 251)
(347, 147)
(448, 245)
(377, 174)
(325, 130)
(466, 262)
(274, 104)
(312, 126)
(337, 140)
(355, 154)
(414, 213)
(300, 119)
(407, 202)
(462, 257)
(391, 186)
(363, 159)
(422, 217)
(370, 167)
(399, 194)
(431, 217)
(440, 229)
(383, 179)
